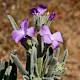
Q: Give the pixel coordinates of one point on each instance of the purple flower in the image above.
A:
(23, 41)
(44, 30)
(40, 9)
(17, 35)
(33, 11)
(50, 38)
(52, 15)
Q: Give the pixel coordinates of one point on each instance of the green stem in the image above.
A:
(40, 61)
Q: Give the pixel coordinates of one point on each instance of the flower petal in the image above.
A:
(33, 11)
(47, 39)
(30, 32)
(52, 15)
(55, 45)
(41, 9)
(23, 41)
(44, 30)
(57, 36)
(24, 25)
(17, 35)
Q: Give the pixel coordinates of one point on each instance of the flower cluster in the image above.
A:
(41, 9)
(40, 43)
(48, 38)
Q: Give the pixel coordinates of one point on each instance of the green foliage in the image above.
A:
(12, 21)
(39, 20)
(51, 68)
(8, 71)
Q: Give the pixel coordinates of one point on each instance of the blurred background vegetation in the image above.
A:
(67, 21)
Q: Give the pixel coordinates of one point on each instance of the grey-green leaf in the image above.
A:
(12, 21)
(57, 53)
(64, 57)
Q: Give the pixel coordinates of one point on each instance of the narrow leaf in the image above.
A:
(65, 54)
(18, 63)
(12, 21)
(57, 53)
